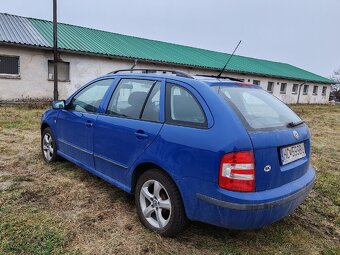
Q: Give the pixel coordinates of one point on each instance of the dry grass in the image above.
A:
(62, 209)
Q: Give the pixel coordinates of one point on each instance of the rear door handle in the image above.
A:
(140, 134)
(88, 123)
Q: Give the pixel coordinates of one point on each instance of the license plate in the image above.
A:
(292, 153)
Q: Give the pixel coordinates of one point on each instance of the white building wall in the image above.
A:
(33, 83)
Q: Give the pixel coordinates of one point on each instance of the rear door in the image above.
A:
(281, 152)
(133, 119)
(76, 123)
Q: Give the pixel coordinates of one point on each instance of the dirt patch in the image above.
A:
(6, 185)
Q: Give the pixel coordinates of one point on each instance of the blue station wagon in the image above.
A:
(204, 149)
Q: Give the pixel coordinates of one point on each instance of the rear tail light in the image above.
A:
(237, 171)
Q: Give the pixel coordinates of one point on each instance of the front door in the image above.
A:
(76, 123)
(131, 122)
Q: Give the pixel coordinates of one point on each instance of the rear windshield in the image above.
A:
(259, 109)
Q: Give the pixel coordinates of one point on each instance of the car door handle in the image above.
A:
(88, 124)
(140, 134)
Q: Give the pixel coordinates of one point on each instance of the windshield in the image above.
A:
(259, 109)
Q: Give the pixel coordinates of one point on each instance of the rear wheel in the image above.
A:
(48, 146)
(159, 205)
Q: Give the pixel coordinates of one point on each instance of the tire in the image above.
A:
(48, 146)
(158, 197)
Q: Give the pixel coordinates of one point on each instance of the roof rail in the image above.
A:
(220, 77)
(146, 70)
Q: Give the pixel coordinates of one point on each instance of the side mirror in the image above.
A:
(58, 104)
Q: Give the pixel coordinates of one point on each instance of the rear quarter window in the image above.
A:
(182, 108)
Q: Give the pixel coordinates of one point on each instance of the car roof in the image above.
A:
(194, 80)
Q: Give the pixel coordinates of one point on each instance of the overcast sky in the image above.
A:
(304, 33)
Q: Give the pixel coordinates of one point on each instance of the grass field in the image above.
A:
(62, 209)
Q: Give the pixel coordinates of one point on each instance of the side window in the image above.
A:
(152, 106)
(9, 65)
(129, 97)
(88, 99)
(183, 108)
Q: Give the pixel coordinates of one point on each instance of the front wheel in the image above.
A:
(48, 146)
(159, 204)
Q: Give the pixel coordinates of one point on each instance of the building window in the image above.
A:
(315, 90)
(9, 65)
(270, 86)
(324, 90)
(256, 82)
(305, 89)
(295, 88)
(63, 71)
(283, 88)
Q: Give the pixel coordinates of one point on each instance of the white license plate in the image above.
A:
(292, 153)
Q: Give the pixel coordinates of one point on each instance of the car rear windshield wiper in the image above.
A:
(295, 124)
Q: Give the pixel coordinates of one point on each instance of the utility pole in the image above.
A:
(55, 51)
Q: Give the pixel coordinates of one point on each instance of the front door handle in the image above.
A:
(88, 123)
(140, 134)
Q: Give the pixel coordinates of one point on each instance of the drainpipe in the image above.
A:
(55, 52)
(300, 86)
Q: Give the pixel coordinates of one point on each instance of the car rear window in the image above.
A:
(259, 109)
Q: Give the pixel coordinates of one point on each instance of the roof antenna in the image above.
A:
(134, 65)
(219, 75)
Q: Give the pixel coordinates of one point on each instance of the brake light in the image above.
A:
(237, 171)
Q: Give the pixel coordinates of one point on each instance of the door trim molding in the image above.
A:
(110, 161)
(74, 146)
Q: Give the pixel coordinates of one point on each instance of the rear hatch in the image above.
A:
(281, 141)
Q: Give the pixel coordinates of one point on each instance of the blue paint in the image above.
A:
(112, 147)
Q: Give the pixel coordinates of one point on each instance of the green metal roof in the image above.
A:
(87, 40)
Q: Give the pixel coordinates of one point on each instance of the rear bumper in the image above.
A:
(238, 210)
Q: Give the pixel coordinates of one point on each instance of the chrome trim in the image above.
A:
(75, 147)
(261, 206)
(110, 161)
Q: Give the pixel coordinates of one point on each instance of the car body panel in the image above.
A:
(191, 156)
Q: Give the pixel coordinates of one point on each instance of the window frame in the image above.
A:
(257, 82)
(285, 88)
(64, 62)
(155, 80)
(315, 90)
(303, 89)
(8, 75)
(272, 87)
(70, 99)
(297, 86)
(324, 88)
(170, 121)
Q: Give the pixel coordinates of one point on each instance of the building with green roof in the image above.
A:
(26, 69)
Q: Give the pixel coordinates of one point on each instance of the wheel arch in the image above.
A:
(44, 126)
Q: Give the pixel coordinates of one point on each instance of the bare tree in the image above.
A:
(336, 77)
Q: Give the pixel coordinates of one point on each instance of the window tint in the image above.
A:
(152, 107)
(259, 109)
(9, 65)
(129, 97)
(183, 108)
(88, 99)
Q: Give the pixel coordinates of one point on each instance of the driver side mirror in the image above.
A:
(58, 104)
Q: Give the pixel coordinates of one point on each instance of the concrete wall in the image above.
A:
(33, 82)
